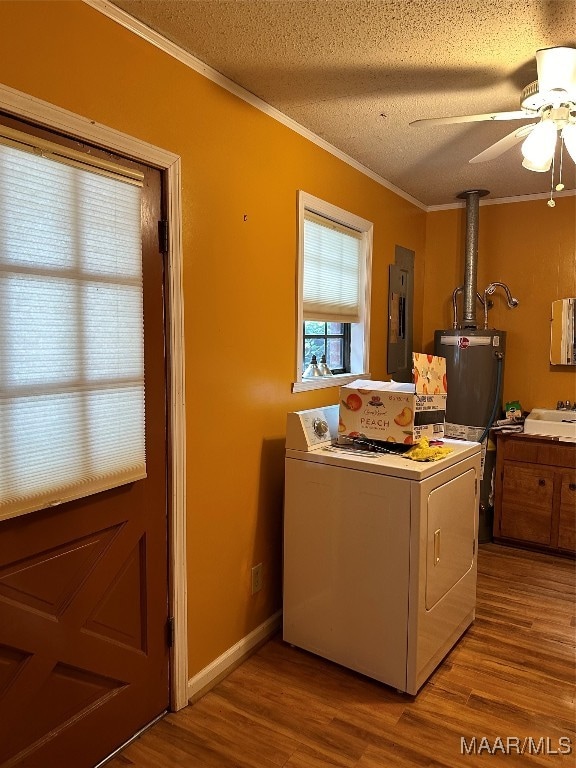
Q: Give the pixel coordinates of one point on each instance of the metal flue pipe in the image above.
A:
(472, 197)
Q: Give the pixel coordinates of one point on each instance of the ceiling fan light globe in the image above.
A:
(538, 148)
(569, 137)
(542, 168)
(556, 69)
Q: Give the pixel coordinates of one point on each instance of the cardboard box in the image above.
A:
(395, 412)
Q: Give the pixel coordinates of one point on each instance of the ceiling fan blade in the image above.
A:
(504, 144)
(556, 69)
(518, 115)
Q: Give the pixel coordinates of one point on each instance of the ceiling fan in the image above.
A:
(551, 99)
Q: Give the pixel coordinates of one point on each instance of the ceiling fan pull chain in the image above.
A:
(551, 203)
(560, 186)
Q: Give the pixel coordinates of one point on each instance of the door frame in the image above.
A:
(47, 115)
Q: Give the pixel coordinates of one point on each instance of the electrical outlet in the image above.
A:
(257, 578)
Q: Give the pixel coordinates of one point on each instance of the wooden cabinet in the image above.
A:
(567, 522)
(535, 493)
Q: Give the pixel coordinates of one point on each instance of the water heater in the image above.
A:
(474, 368)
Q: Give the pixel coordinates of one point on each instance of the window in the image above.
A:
(71, 324)
(329, 340)
(335, 251)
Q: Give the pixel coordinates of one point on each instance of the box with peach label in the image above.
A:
(397, 412)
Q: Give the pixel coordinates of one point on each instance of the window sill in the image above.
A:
(338, 380)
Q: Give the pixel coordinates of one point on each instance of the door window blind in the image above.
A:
(71, 325)
(332, 271)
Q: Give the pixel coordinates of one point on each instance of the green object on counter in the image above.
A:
(513, 410)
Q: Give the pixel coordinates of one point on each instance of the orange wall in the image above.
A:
(239, 280)
(532, 249)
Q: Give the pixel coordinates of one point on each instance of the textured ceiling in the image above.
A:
(356, 73)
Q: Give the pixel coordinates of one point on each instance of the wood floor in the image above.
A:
(510, 677)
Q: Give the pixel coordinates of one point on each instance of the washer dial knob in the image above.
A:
(320, 427)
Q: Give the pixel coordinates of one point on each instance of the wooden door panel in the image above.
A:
(84, 658)
(76, 633)
(567, 523)
(527, 503)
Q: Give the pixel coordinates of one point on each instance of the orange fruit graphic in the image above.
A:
(354, 402)
(404, 417)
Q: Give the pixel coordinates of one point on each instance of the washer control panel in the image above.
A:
(312, 429)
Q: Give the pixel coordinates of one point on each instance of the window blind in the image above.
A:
(332, 271)
(71, 326)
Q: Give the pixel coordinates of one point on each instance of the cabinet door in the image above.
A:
(567, 526)
(527, 497)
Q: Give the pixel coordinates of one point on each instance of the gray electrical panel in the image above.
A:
(400, 315)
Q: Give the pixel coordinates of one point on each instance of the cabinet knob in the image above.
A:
(572, 486)
(541, 482)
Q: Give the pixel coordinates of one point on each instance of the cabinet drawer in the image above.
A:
(525, 450)
(557, 454)
(535, 451)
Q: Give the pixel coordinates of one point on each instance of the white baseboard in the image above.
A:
(230, 659)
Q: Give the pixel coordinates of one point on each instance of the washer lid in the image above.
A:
(387, 464)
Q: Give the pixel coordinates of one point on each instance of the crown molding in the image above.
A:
(504, 200)
(175, 51)
(160, 42)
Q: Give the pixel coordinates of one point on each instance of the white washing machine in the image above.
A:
(379, 552)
